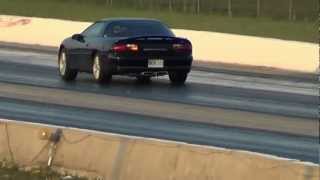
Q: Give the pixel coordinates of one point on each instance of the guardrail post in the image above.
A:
(258, 8)
(109, 2)
(290, 9)
(198, 6)
(230, 8)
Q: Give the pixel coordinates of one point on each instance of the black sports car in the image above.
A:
(142, 48)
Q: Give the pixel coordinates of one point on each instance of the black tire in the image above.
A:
(143, 79)
(65, 72)
(178, 78)
(101, 71)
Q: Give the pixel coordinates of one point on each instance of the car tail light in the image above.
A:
(125, 47)
(182, 47)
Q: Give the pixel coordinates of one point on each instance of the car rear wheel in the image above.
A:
(65, 71)
(178, 78)
(100, 71)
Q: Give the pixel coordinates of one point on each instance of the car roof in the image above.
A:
(127, 19)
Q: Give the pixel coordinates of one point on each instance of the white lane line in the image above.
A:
(250, 104)
(222, 76)
(254, 83)
(31, 58)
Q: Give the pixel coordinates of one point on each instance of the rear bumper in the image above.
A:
(139, 69)
(137, 65)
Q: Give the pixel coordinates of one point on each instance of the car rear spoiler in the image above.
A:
(168, 38)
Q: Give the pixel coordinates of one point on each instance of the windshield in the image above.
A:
(137, 28)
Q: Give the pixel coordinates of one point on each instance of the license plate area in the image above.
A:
(155, 63)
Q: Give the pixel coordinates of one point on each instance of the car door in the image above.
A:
(92, 41)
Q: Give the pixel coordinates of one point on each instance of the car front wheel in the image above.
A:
(65, 72)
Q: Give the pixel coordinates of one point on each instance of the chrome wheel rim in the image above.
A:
(96, 68)
(62, 64)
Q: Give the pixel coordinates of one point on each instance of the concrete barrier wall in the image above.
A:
(208, 46)
(115, 157)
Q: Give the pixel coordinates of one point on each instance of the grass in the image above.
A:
(13, 173)
(91, 11)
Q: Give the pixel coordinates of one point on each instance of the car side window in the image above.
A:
(94, 30)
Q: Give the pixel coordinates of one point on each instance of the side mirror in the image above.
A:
(78, 37)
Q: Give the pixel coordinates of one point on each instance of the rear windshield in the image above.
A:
(137, 28)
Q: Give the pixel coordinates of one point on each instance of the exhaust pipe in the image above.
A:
(161, 73)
